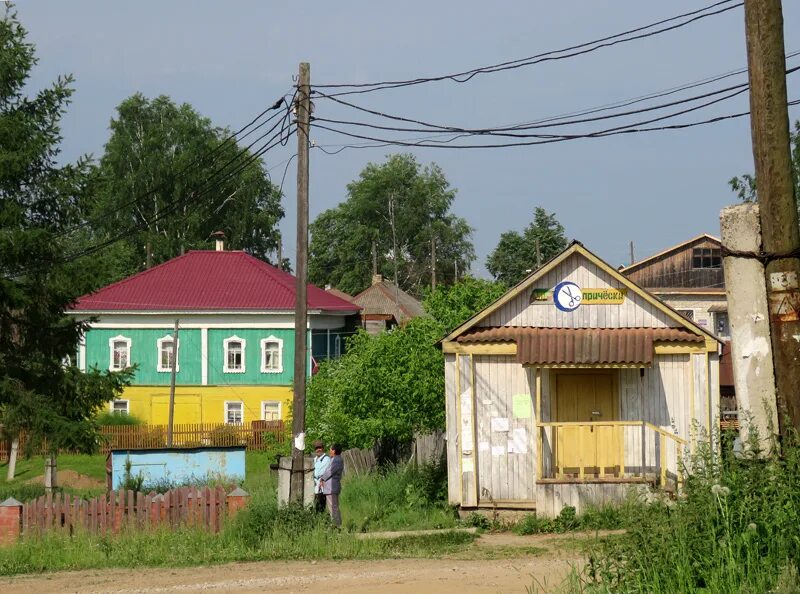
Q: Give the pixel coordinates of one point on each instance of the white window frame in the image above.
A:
(227, 408)
(177, 351)
(279, 342)
(280, 409)
(114, 411)
(225, 344)
(111, 341)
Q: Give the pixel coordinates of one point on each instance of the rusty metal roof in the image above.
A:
(581, 346)
(384, 298)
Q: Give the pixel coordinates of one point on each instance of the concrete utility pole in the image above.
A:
(303, 107)
(769, 123)
(172, 375)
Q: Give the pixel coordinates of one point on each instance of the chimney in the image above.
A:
(219, 238)
(377, 279)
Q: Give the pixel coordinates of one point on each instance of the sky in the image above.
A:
(232, 59)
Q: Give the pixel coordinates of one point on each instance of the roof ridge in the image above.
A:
(671, 248)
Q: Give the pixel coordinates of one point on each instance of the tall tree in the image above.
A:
(515, 254)
(452, 306)
(745, 185)
(161, 155)
(41, 390)
(398, 206)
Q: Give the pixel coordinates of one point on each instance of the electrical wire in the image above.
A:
(576, 50)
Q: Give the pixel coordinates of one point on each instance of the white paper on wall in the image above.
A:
(499, 424)
(467, 440)
(519, 437)
(498, 450)
(467, 465)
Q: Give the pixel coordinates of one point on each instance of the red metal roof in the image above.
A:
(580, 346)
(209, 281)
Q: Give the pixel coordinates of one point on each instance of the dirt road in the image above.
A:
(538, 559)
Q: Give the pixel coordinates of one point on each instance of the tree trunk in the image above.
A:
(50, 473)
(12, 459)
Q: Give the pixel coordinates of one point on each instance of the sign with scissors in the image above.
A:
(567, 296)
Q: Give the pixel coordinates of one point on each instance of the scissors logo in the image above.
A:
(567, 295)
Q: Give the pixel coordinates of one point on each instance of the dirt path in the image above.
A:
(448, 576)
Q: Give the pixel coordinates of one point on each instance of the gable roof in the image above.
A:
(573, 248)
(207, 280)
(386, 298)
(669, 250)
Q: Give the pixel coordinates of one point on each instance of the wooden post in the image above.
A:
(173, 373)
(538, 255)
(50, 473)
(769, 124)
(303, 106)
(433, 263)
(12, 459)
(663, 458)
(632, 258)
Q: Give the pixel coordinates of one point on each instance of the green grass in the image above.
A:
(737, 530)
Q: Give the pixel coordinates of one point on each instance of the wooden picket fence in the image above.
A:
(257, 436)
(205, 507)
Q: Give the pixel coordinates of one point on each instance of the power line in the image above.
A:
(628, 130)
(576, 50)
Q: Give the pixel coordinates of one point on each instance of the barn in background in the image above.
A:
(573, 387)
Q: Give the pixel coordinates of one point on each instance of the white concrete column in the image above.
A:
(748, 310)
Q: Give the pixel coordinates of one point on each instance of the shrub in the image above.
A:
(736, 530)
(130, 481)
(225, 435)
(476, 520)
(116, 419)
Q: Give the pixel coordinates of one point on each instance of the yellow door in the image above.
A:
(584, 398)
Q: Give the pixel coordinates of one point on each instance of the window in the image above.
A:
(271, 411)
(166, 354)
(722, 324)
(687, 313)
(706, 258)
(120, 349)
(234, 354)
(234, 413)
(271, 355)
(120, 407)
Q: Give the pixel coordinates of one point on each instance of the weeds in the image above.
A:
(736, 530)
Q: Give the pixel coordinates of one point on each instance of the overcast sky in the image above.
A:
(232, 59)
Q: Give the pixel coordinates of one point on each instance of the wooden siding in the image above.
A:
(453, 441)
(634, 312)
(674, 269)
(504, 475)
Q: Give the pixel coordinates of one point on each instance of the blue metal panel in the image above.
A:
(180, 466)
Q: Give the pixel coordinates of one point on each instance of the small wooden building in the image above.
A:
(574, 386)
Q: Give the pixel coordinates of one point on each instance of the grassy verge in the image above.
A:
(737, 530)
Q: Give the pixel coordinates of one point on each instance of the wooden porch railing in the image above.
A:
(609, 450)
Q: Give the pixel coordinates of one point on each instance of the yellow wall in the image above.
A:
(202, 404)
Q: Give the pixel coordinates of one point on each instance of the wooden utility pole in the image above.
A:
(374, 260)
(538, 255)
(632, 258)
(173, 373)
(769, 124)
(303, 106)
(433, 263)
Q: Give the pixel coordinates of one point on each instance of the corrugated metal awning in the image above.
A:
(581, 346)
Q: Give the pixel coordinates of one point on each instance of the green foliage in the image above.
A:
(454, 305)
(160, 152)
(41, 391)
(386, 386)
(224, 435)
(274, 448)
(130, 481)
(399, 497)
(736, 530)
(515, 253)
(476, 520)
(106, 418)
(398, 204)
(745, 186)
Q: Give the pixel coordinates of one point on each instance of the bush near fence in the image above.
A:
(207, 507)
(257, 436)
